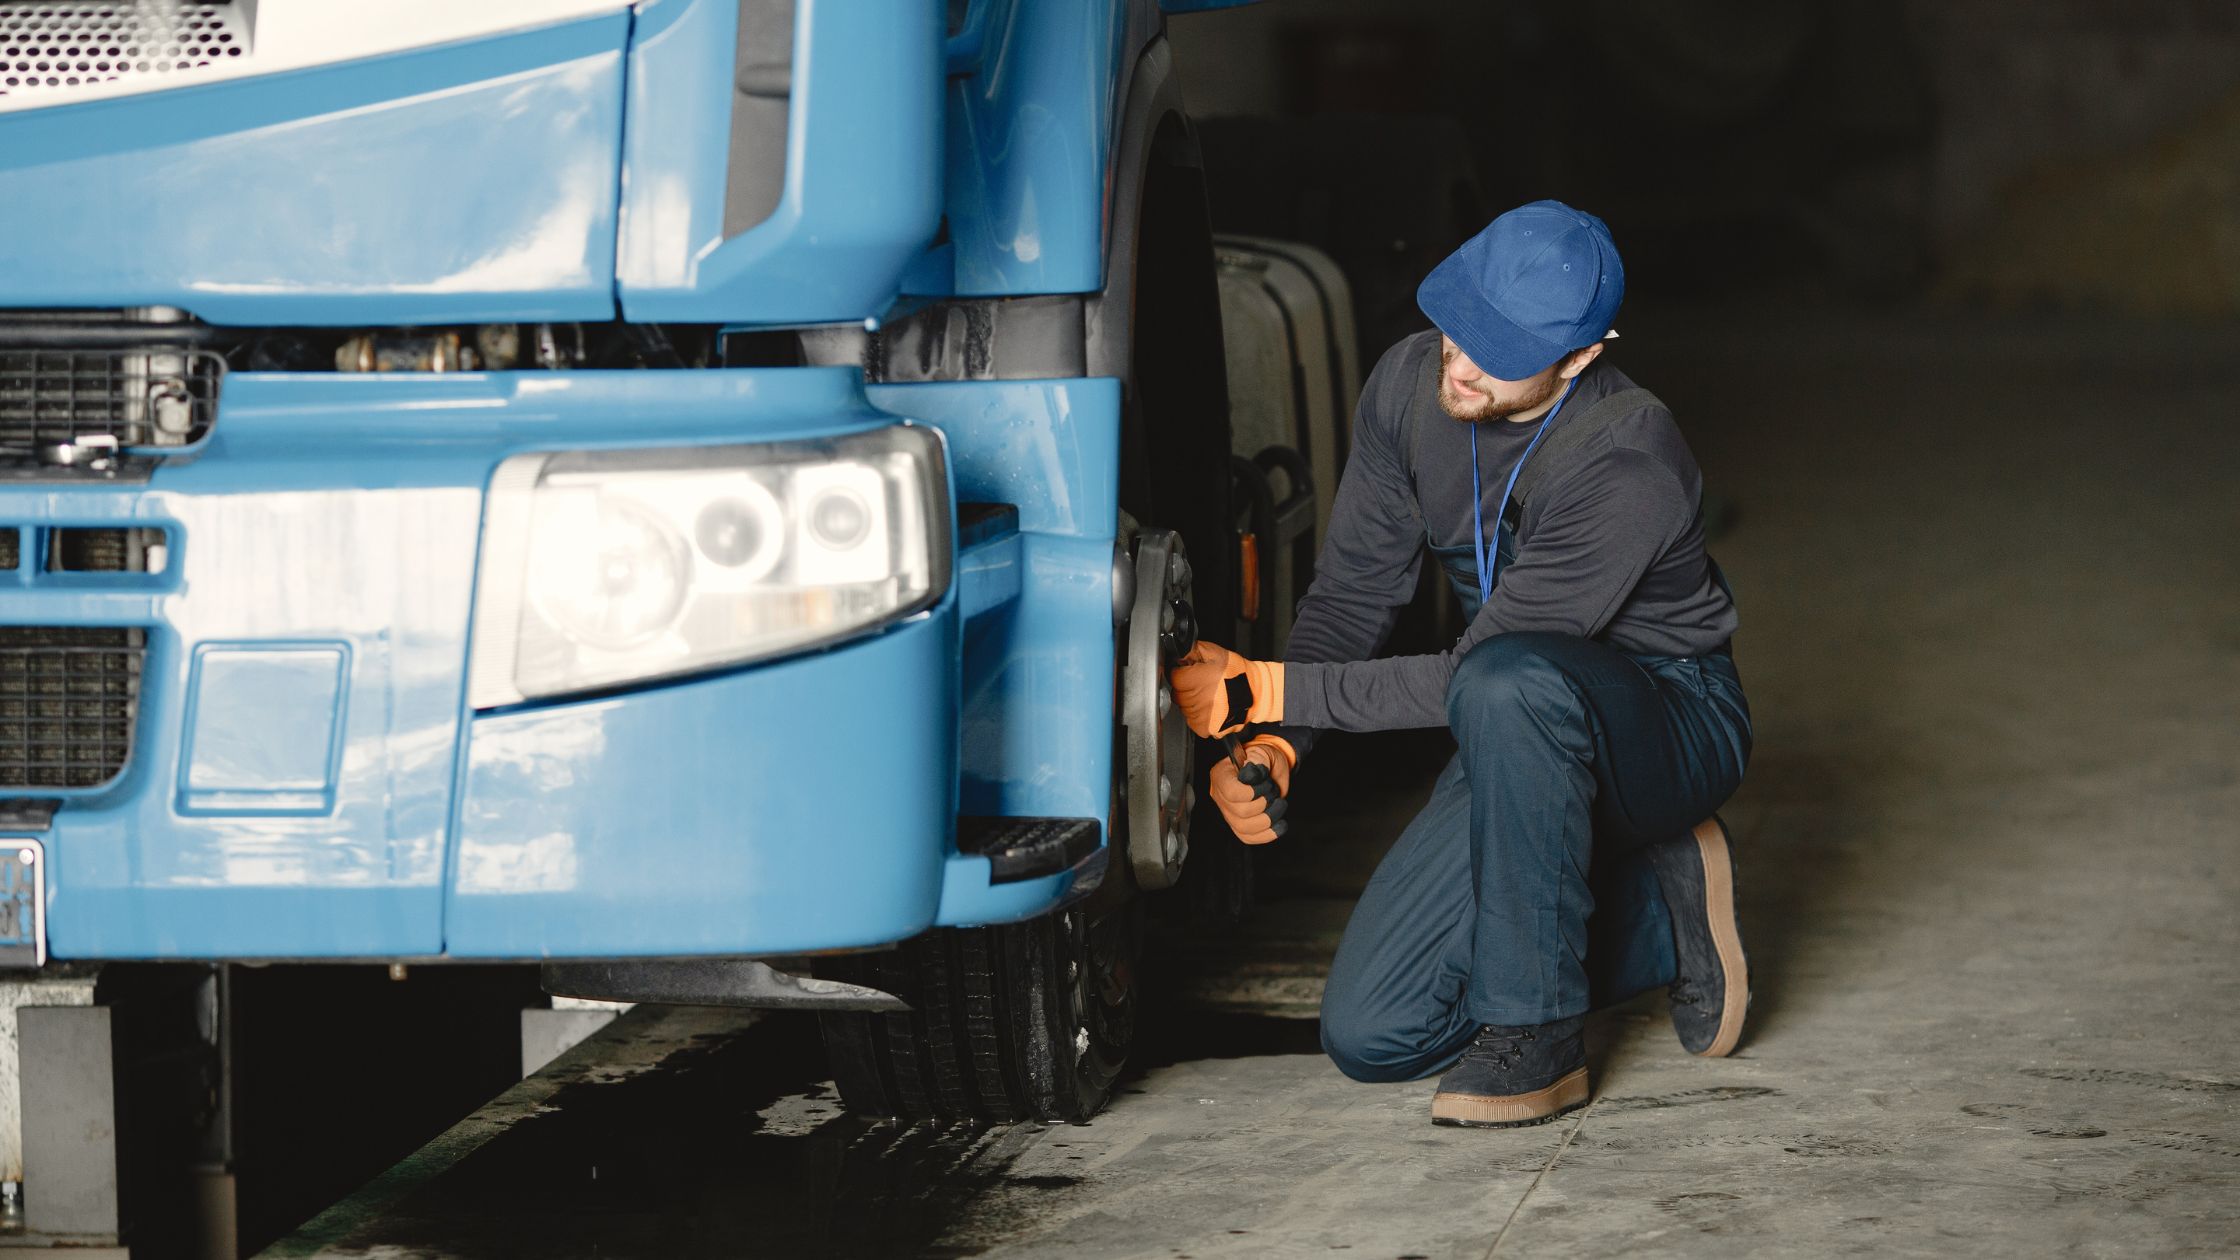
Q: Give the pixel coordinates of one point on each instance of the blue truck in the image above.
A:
(693, 494)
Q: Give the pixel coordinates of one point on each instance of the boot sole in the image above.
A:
(1718, 887)
(1514, 1111)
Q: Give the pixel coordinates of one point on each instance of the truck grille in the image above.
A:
(68, 699)
(52, 46)
(143, 397)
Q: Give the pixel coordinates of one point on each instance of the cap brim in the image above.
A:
(1493, 341)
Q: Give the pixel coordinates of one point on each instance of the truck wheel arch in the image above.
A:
(1174, 385)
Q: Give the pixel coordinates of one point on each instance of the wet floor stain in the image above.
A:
(1684, 1098)
(2036, 1124)
(2144, 1080)
(1706, 1210)
(2138, 1185)
(1044, 1183)
(1802, 1145)
(2191, 1143)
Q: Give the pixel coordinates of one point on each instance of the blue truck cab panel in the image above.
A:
(308, 775)
(860, 189)
(467, 182)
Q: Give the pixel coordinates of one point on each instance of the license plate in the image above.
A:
(23, 902)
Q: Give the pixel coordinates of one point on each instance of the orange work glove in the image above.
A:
(1220, 691)
(1252, 799)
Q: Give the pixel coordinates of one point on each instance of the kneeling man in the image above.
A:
(1568, 857)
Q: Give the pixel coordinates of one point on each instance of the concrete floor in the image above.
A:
(1990, 578)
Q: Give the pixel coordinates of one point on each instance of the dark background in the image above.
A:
(2025, 156)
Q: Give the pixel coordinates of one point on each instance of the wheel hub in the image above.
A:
(1159, 794)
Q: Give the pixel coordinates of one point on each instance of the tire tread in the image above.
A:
(948, 1057)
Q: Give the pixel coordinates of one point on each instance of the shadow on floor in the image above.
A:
(1177, 1037)
(1789, 872)
(734, 1145)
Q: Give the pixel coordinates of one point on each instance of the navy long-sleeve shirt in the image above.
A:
(1610, 548)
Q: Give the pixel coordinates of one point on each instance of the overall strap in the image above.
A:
(1571, 435)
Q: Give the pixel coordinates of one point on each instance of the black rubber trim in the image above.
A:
(979, 522)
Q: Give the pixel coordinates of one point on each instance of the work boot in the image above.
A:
(1712, 990)
(1515, 1076)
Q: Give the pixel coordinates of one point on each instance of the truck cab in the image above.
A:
(694, 494)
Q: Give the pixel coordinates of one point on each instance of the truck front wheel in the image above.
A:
(1019, 1021)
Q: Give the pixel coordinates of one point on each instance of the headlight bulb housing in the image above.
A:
(615, 574)
(604, 568)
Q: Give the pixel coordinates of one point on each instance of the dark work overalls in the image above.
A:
(1521, 893)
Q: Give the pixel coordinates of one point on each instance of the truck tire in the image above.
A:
(1022, 1021)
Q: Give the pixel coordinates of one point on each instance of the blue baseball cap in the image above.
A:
(1536, 284)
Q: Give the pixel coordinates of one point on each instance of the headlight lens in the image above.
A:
(614, 574)
(607, 567)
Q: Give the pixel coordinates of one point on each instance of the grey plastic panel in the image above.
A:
(69, 1120)
(1302, 299)
(761, 110)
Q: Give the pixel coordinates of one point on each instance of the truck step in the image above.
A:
(1027, 848)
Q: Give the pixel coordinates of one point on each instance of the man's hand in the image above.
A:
(1252, 799)
(1220, 691)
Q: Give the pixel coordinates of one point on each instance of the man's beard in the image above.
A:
(1478, 408)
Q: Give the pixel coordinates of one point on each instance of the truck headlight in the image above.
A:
(607, 567)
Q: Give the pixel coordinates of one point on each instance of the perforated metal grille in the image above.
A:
(139, 397)
(68, 699)
(56, 45)
(102, 550)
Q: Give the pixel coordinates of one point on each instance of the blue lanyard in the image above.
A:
(1478, 497)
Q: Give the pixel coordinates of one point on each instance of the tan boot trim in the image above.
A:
(1718, 888)
(1480, 1109)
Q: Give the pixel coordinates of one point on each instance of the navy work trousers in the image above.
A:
(1521, 894)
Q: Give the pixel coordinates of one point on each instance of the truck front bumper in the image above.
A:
(307, 779)
(801, 805)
